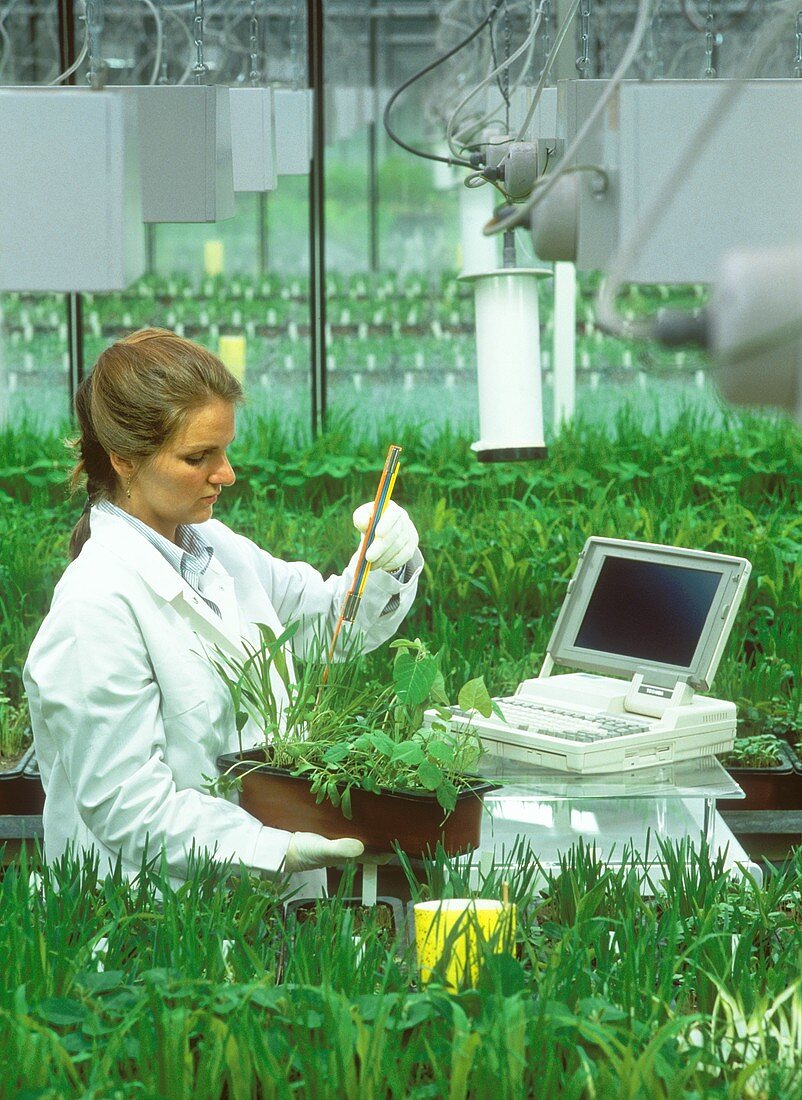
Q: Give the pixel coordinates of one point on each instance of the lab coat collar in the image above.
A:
(124, 541)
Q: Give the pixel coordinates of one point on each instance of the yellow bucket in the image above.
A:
(454, 935)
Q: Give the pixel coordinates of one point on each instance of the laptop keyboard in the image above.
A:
(570, 725)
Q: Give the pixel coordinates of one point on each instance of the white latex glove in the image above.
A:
(395, 539)
(309, 851)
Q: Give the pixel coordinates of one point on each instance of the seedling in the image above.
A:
(764, 750)
(15, 735)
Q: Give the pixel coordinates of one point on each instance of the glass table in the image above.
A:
(621, 815)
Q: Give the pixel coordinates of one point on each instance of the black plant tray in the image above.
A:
(775, 788)
(21, 788)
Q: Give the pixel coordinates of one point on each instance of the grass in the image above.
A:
(618, 987)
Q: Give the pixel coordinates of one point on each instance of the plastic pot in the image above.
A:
(775, 788)
(415, 821)
(21, 791)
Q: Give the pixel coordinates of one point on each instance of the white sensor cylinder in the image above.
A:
(479, 253)
(508, 362)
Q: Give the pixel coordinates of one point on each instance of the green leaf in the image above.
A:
(475, 696)
(383, 744)
(437, 693)
(61, 1010)
(447, 795)
(413, 678)
(441, 751)
(502, 973)
(334, 754)
(409, 752)
(429, 776)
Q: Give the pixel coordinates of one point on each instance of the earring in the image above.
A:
(128, 489)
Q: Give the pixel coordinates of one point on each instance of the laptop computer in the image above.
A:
(645, 626)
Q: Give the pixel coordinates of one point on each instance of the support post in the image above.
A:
(317, 218)
(73, 301)
(564, 351)
(373, 139)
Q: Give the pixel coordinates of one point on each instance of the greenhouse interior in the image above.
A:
(456, 750)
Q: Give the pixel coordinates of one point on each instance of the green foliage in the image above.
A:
(14, 729)
(763, 750)
(624, 983)
(342, 730)
(500, 540)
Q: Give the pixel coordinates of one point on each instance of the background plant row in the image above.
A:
(375, 322)
(500, 541)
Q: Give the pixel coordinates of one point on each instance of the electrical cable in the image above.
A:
(699, 24)
(79, 59)
(487, 119)
(541, 84)
(510, 217)
(537, 18)
(154, 76)
(7, 50)
(421, 73)
(607, 317)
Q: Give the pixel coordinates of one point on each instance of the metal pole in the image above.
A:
(373, 140)
(73, 301)
(317, 219)
(150, 247)
(33, 19)
(261, 213)
(564, 344)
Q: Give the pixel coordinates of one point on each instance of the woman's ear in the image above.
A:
(123, 467)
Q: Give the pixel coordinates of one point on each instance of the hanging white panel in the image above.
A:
(70, 203)
(253, 139)
(294, 111)
(185, 152)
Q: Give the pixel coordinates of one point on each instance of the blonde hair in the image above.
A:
(139, 394)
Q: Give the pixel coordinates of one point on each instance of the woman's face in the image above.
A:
(183, 480)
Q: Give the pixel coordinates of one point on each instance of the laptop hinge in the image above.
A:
(652, 694)
(546, 667)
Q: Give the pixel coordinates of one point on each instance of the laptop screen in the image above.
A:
(637, 607)
(648, 611)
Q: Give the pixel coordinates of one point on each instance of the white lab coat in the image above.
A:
(128, 714)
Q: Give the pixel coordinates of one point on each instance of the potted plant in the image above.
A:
(20, 788)
(762, 764)
(352, 757)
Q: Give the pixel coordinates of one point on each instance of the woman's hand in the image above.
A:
(309, 851)
(395, 539)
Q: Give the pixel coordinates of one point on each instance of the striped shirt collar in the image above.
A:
(190, 556)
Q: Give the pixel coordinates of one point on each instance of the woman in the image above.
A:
(128, 713)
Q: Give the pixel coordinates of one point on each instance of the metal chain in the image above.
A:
(583, 60)
(505, 75)
(546, 34)
(254, 76)
(798, 58)
(297, 46)
(199, 69)
(94, 27)
(710, 39)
